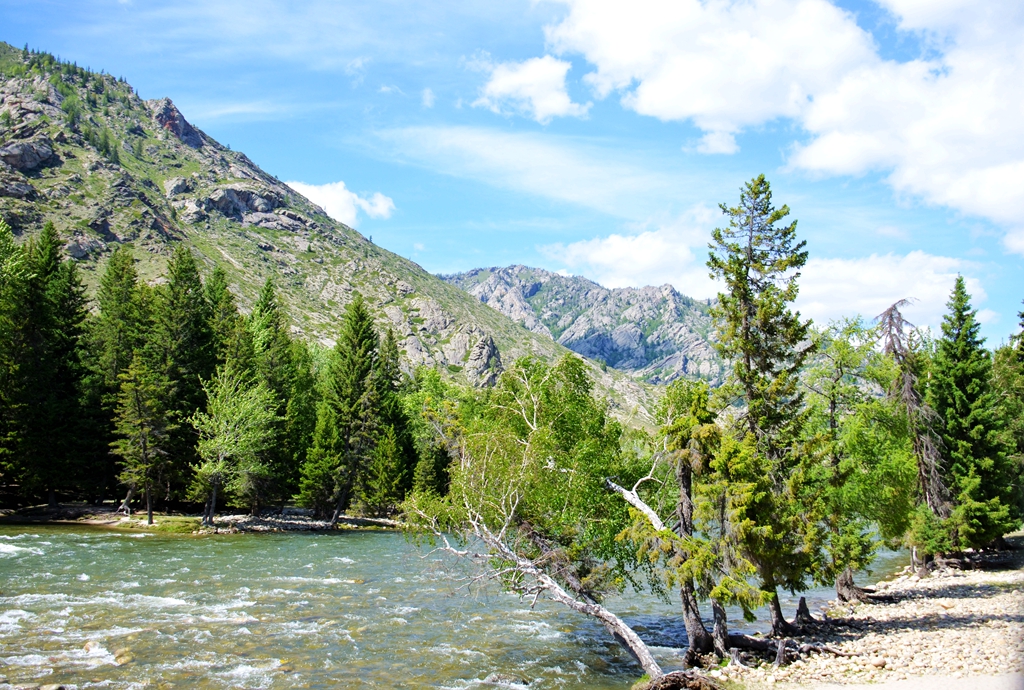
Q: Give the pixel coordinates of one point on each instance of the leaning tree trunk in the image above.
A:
(126, 503)
(622, 633)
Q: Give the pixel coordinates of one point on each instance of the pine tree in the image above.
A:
(1008, 385)
(978, 472)
(383, 476)
(272, 349)
(390, 380)
(182, 345)
(347, 416)
(14, 276)
(224, 311)
(767, 343)
(143, 429)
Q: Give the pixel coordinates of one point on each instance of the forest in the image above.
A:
(825, 444)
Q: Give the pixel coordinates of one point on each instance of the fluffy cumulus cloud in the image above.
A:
(534, 87)
(343, 205)
(944, 127)
(723, 65)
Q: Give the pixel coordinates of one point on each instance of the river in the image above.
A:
(97, 608)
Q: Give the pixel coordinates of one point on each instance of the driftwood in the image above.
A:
(681, 680)
(780, 653)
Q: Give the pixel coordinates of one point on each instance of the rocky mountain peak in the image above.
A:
(170, 118)
(652, 332)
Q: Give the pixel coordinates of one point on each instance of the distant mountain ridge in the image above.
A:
(654, 333)
(82, 150)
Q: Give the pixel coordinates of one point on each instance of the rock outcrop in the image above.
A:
(170, 118)
(26, 156)
(652, 332)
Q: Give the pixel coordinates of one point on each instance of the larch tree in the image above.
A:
(236, 430)
(979, 474)
(759, 262)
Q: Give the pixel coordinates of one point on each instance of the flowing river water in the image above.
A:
(97, 608)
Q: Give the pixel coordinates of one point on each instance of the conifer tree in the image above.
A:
(347, 416)
(182, 345)
(223, 310)
(1008, 385)
(979, 474)
(272, 350)
(383, 476)
(767, 343)
(143, 427)
(14, 275)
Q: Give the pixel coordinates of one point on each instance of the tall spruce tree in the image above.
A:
(272, 350)
(182, 345)
(223, 312)
(113, 334)
(14, 277)
(143, 429)
(759, 262)
(1008, 384)
(347, 417)
(979, 473)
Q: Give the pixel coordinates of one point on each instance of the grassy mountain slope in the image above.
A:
(654, 333)
(82, 150)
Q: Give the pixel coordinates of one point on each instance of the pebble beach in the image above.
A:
(964, 626)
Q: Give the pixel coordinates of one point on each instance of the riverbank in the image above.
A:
(951, 625)
(108, 517)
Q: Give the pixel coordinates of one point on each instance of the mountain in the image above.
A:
(82, 150)
(654, 333)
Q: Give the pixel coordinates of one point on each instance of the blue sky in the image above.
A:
(599, 137)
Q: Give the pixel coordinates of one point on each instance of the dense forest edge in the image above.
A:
(823, 444)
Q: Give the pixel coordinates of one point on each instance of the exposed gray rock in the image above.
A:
(171, 119)
(27, 155)
(653, 332)
(16, 187)
(176, 185)
(81, 247)
(484, 361)
(272, 221)
(236, 200)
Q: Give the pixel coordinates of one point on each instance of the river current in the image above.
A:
(96, 608)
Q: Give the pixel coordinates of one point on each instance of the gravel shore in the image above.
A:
(951, 625)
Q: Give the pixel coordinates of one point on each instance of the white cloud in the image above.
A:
(724, 65)
(830, 288)
(945, 127)
(675, 253)
(534, 87)
(428, 98)
(343, 205)
(669, 253)
(565, 169)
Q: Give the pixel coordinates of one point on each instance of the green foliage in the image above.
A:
(979, 473)
(759, 263)
(236, 431)
(181, 345)
(143, 427)
(532, 458)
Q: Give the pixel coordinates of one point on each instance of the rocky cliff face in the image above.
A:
(652, 332)
(81, 149)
